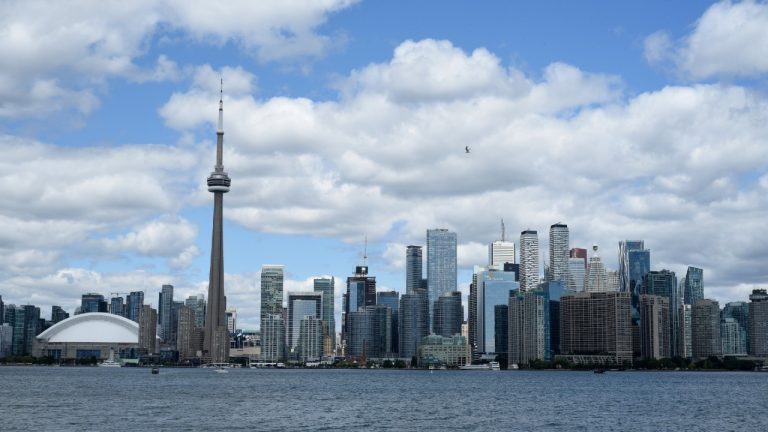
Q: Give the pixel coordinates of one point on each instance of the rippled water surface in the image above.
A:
(48, 398)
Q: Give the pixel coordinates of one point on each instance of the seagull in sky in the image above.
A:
(467, 149)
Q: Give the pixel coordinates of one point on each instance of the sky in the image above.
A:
(346, 121)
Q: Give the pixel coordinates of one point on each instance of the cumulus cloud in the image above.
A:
(729, 39)
(168, 237)
(57, 55)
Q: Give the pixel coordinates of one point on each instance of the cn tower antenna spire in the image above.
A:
(503, 231)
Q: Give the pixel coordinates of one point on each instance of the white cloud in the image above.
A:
(57, 55)
(730, 39)
(168, 237)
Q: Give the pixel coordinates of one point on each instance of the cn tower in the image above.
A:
(216, 336)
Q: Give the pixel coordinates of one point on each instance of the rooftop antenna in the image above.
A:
(365, 252)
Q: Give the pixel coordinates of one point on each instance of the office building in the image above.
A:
(450, 351)
(664, 283)
(58, 314)
(272, 277)
(758, 323)
(596, 325)
(739, 312)
(694, 285)
(370, 333)
(559, 245)
(577, 273)
(361, 292)
(311, 339)
(272, 338)
(300, 306)
(93, 302)
(501, 329)
(6, 340)
(472, 314)
(391, 299)
(730, 338)
(611, 280)
(655, 332)
(553, 291)
(117, 306)
(448, 314)
(133, 304)
(684, 332)
(493, 288)
(165, 314)
(326, 287)
(413, 316)
(595, 279)
(441, 264)
(528, 333)
(215, 335)
(634, 263)
(187, 334)
(705, 329)
(147, 337)
(413, 269)
(529, 260)
(231, 315)
(197, 305)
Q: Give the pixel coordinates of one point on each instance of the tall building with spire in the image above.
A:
(501, 251)
(216, 336)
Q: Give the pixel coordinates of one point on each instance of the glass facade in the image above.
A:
(441, 264)
(493, 288)
(325, 286)
(693, 288)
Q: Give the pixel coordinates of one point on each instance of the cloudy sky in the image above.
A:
(348, 119)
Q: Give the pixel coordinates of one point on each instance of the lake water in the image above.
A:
(51, 398)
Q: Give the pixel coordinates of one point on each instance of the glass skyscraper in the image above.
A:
(693, 288)
(493, 288)
(271, 290)
(634, 263)
(300, 306)
(413, 269)
(326, 287)
(441, 264)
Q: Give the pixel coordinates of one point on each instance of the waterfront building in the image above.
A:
(6, 340)
(664, 283)
(231, 315)
(758, 323)
(559, 245)
(272, 277)
(117, 306)
(93, 302)
(133, 303)
(326, 287)
(311, 339)
(361, 292)
(705, 328)
(450, 351)
(730, 338)
(272, 338)
(595, 279)
(553, 291)
(693, 288)
(391, 299)
(413, 316)
(529, 320)
(2, 311)
(413, 269)
(472, 315)
(493, 288)
(577, 272)
(449, 313)
(441, 264)
(370, 333)
(165, 314)
(655, 333)
(215, 335)
(501, 329)
(197, 305)
(187, 330)
(529, 260)
(684, 332)
(58, 314)
(596, 323)
(300, 306)
(739, 311)
(147, 325)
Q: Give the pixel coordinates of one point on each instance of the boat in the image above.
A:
(155, 370)
(110, 362)
(514, 366)
(494, 365)
(599, 370)
(475, 367)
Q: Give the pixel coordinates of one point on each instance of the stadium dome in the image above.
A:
(93, 327)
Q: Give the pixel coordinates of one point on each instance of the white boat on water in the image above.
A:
(110, 362)
(494, 365)
(475, 367)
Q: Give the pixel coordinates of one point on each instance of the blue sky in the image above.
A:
(347, 119)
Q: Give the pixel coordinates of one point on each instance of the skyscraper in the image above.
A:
(325, 286)
(693, 288)
(529, 260)
(664, 283)
(271, 290)
(197, 305)
(93, 302)
(559, 245)
(370, 332)
(361, 292)
(597, 322)
(528, 333)
(705, 328)
(577, 269)
(165, 314)
(595, 279)
(117, 306)
(655, 330)
(449, 313)
(272, 338)
(134, 302)
(148, 330)
(413, 323)
(391, 299)
(739, 312)
(493, 288)
(441, 264)
(58, 314)
(501, 251)
(413, 269)
(300, 306)
(216, 337)
(758, 323)
(634, 263)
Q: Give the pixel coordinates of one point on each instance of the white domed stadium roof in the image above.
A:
(93, 327)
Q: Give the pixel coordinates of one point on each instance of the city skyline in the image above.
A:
(345, 126)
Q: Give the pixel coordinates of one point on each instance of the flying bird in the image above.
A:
(467, 149)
